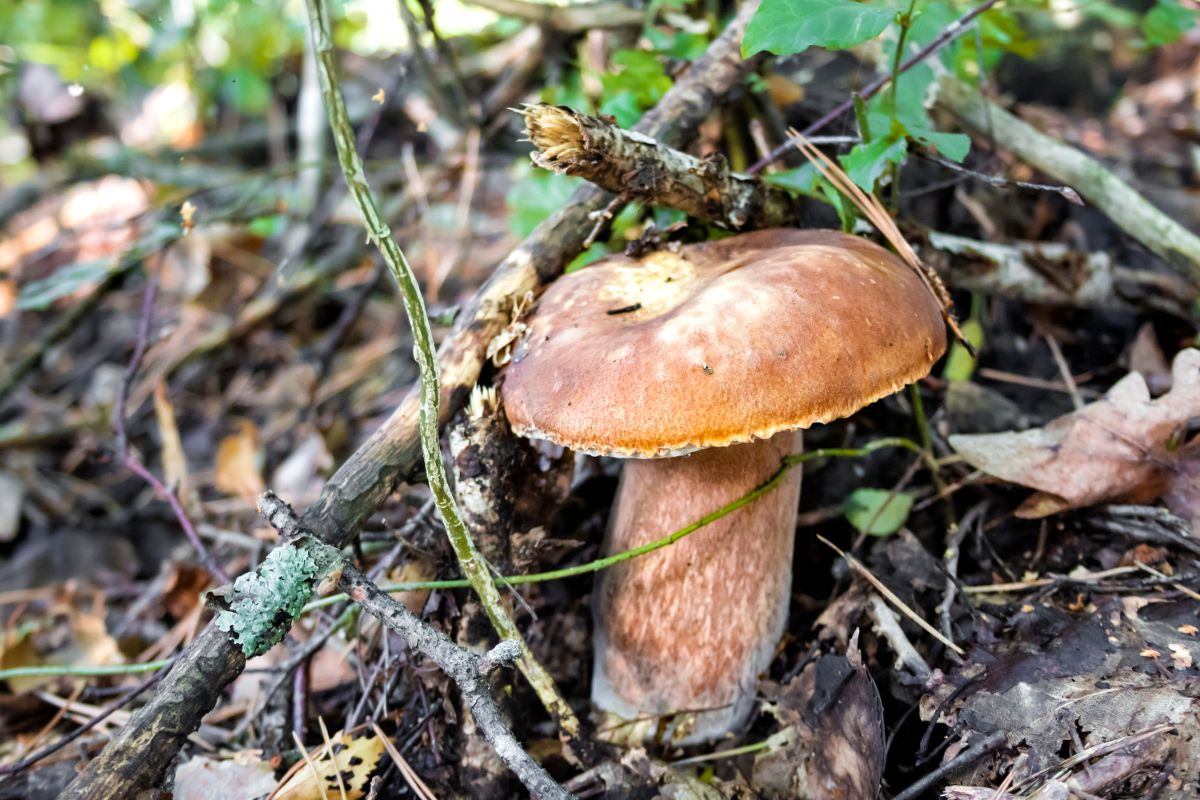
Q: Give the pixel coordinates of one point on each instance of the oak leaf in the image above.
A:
(1123, 448)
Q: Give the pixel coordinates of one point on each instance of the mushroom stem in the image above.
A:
(684, 631)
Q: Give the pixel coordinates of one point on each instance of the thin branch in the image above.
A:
(1124, 205)
(616, 558)
(469, 670)
(1066, 192)
(952, 32)
(130, 460)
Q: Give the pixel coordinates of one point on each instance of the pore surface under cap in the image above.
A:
(719, 343)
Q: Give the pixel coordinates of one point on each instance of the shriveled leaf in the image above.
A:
(239, 462)
(877, 512)
(174, 462)
(243, 777)
(831, 746)
(356, 761)
(1122, 448)
(787, 27)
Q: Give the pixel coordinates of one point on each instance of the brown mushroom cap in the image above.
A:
(720, 343)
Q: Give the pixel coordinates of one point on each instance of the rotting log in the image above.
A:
(139, 755)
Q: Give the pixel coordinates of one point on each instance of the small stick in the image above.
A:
(129, 460)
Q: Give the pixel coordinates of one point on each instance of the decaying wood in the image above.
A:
(139, 755)
(641, 168)
(1053, 273)
(1123, 204)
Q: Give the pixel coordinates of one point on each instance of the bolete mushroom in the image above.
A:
(700, 365)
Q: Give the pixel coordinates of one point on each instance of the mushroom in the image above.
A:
(700, 365)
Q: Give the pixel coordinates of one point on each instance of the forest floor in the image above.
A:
(187, 326)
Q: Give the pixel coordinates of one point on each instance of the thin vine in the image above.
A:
(473, 566)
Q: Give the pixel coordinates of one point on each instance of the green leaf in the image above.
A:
(866, 162)
(801, 180)
(638, 72)
(39, 295)
(624, 107)
(805, 180)
(877, 512)
(536, 197)
(1167, 22)
(787, 27)
(953, 146)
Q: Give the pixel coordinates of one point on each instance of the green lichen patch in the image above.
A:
(267, 600)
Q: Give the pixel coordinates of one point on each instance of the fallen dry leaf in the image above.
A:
(356, 761)
(243, 777)
(239, 462)
(1123, 448)
(174, 461)
(87, 642)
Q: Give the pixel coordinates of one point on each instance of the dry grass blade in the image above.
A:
(891, 597)
(419, 787)
(311, 765)
(878, 216)
(332, 755)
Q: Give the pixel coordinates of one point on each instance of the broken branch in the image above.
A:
(641, 168)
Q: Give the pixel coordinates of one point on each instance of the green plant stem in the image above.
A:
(539, 577)
(658, 544)
(893, 90)
(54, 671)
(473, 566)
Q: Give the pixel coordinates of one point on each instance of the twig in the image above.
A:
(105, 713)
(469, 672)
(467, 669)
(1160, 234)
(472, 565)
(130, 461)
(1053, 273)
(888, 626)
(952, 32)
(966, 757)
(625, 555)
(214, 659)
(640, 168)
(1067, 193)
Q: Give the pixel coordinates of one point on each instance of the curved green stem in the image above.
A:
(473, 566)
(658, 544)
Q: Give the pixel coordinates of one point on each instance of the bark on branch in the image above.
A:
(639, 167)
(468, 670)
(138, 756)
(1132, 212)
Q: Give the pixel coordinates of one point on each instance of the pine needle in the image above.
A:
(874, 211)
